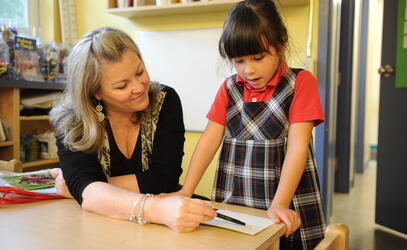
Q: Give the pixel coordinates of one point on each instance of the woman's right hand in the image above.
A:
(60, 185)
(182, 214)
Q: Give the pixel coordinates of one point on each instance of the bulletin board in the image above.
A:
(188, 61)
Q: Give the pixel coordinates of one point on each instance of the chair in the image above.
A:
(11, 166)
(336, 238)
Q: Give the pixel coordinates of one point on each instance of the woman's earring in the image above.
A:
(99, 112)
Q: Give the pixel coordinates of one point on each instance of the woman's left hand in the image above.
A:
(280, 213)
(60, 184)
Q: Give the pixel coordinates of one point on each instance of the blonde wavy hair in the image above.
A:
(74, 118)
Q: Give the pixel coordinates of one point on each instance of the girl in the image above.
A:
(264, 115)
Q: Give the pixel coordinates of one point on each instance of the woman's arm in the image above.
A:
(79, 170)
(127, 182)
(204, 152)
(116, 199)
(299, 135)
(179, 213)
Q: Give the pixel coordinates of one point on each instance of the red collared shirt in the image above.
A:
(306, 104)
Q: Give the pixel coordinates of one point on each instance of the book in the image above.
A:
(3, 136)
(26, 58)
(32, 181)
(27, 187)
(253, 224)
(11, 194)
(40, 99)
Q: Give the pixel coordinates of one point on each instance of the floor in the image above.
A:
(357, 211)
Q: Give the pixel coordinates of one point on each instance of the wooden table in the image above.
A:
(62, 224)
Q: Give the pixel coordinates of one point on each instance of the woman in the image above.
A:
(120, 136)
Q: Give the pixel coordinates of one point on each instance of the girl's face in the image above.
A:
(124, 84)
(258, 69)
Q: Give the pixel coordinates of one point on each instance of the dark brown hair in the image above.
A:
(250, 28)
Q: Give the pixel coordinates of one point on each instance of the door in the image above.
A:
(343, 175)
(391, 188)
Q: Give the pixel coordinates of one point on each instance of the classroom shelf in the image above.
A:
(171, 9)
(6, 143)
(23, 84)
(41, 162)
(11, 93)
(35, 118)
(185, 8)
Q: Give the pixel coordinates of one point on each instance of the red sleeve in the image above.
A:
(306, 105)
(217, 113)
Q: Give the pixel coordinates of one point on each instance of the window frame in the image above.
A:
(33, 13)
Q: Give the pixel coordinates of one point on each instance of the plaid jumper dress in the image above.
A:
(252, 157)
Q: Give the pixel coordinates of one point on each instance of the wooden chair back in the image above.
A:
(336, 238)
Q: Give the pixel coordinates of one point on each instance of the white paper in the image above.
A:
(254, 224)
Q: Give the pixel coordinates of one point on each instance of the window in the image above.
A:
(19, 13)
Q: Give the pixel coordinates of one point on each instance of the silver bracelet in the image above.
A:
(140, 212)
(132, 217)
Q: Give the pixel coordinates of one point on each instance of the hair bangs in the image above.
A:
(109, 49)
(109, 44)
(243, 38)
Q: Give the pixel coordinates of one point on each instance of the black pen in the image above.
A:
(225, 217)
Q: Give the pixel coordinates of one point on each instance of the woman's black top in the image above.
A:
(80, 169)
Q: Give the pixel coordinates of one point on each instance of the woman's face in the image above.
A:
(124, 84)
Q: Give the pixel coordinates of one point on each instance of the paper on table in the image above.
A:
(254, 224)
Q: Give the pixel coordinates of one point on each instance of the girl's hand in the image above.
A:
(60, 184)
(280, 213)
(178, 193)
(181, 214)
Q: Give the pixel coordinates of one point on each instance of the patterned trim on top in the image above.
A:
(149, 122)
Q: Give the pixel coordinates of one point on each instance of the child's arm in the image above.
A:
(299, 135)
(204, 152)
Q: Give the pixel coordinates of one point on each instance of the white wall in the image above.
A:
(188, 61)
(374, 54)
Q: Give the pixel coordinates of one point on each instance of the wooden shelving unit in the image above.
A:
(35, 118)
(6, 143)
(173, 9)
(23, 84)
(40, 164)
(10, 93)
(184, 8)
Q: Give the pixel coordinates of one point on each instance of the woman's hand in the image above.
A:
(60, 184)
(182, 214)
(280, 213)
